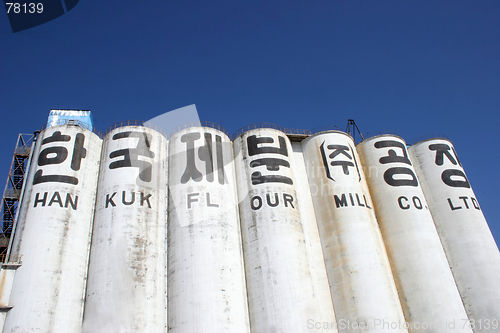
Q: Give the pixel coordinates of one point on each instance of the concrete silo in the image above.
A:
(428, 294)
(280, 271)
(206, 277)
(126, 289)
(48, 290)
(470, 248)
(361, 281)
(312, 241)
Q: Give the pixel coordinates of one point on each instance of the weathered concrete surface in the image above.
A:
(470, 248)
(361, 281)
(280, 271)
(7, 275)
(48, 289)
(427, 290)
(126, 289)
(206, 280)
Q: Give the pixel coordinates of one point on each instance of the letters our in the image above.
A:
(272, 200)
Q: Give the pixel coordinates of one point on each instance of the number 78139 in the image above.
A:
(25, 8)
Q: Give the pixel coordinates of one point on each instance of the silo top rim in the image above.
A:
(430, 139)
(329, 131)
(138, 123)
(286, 131)
(248, 128)
(379, 136)
(206, 124)
(71, 122)
(141, 123)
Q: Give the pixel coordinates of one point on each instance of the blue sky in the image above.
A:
(413, 68)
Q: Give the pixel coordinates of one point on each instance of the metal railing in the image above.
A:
(290, 131)
(427, 137)
(139, 123)
(325, 129)
(297, 131)
(11, 258)
(255, 126)
(62, 122)
(381, 132)
(208, 124)
(12, 193)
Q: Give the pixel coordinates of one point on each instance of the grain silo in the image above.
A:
(206, 278)
(312, 241)
(470, 248)
(428, 293)
(252, 228)
(361, 281)
(48, 289)
(281, 294)
(126, 289)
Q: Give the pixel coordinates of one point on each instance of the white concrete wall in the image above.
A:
(279, 271)
(428, 293)
(48, 290)
(6, 281)
(359, 272)
(470, 248)
(126, 289)
(7, 274)
(206, 279)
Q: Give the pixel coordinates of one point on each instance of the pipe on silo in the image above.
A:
(286, 293)
(48, 289)
(469, 245)
(206, 277)
(126, 289)
(361, 281)
(428, 293)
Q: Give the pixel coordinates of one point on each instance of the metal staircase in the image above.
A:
(14, 186)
